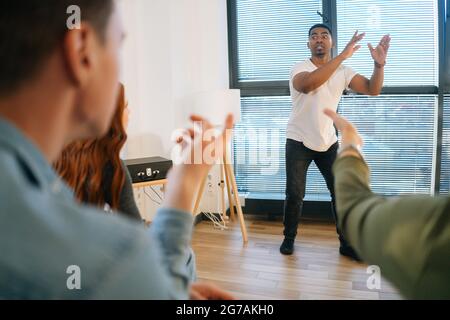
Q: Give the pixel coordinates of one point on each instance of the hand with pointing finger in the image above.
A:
(349, 132)
(350, 135)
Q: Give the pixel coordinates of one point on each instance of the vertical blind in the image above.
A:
(397, 145)
(413, 26)
(272, 34)
(445, 164)
(259, 149)
(398, 130)
(398, 134)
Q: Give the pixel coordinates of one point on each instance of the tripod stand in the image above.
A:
(227, 175)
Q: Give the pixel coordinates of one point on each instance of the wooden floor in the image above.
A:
(258, 271)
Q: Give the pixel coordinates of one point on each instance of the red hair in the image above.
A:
(82, 164)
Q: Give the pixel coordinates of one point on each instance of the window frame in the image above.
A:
(329, 8)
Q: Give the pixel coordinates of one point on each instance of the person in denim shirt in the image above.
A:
(58, 85)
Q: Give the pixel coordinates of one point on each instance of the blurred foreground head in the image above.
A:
(43, 49)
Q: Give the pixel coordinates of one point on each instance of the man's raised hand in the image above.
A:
(352, 46)
(379, 53)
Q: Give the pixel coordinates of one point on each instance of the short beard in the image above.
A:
(320, 55)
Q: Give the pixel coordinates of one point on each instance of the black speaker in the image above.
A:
(148, 169)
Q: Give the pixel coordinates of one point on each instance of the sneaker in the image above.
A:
(287, 247)
(349, 252)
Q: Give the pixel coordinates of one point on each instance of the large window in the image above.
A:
(259, 149)
(398, 133)
(400, 127)
(445, 164)
(271, 36)
(413, 26)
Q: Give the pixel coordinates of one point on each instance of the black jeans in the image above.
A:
(298, 159)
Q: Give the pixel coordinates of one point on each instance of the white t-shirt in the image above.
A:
(308, 123)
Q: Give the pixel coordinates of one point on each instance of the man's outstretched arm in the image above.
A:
(403, 235)
(306, 82)
(407, 237)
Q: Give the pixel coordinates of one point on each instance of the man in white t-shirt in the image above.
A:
(317, 84)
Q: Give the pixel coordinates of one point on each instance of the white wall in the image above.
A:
(174, 49)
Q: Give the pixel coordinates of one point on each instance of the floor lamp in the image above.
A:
(215, 105)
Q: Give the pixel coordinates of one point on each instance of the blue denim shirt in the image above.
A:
(44, 231)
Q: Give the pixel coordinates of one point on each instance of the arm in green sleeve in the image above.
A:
(407, 237)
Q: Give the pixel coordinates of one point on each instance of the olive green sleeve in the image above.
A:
(408, 237)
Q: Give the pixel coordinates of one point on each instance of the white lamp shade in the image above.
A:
(216, 105)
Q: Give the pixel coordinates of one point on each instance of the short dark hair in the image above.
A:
(31, 29)
(319, 25)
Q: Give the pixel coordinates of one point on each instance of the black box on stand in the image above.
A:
(148, 169)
